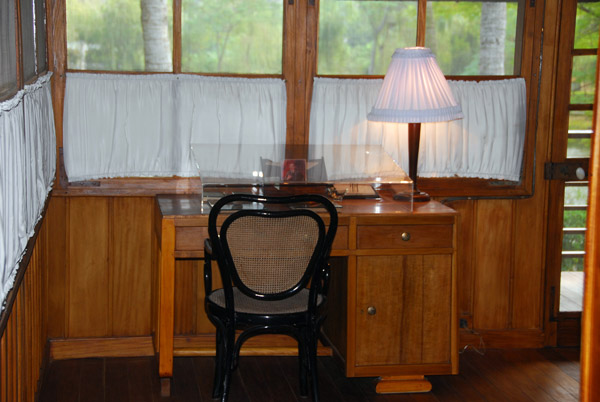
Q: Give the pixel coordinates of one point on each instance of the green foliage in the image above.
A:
(574, 219)
(236, 36)
(572, 264)
(583, 79)
(455, 39)
(573, 242)
(587, 25)
(360, 37)
(355, 37)
(576, 195)
(578, 147)
(104, 35)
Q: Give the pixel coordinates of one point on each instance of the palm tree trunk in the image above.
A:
(155, 27)
(492, 38)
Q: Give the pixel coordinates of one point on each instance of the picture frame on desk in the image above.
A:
(293, 170)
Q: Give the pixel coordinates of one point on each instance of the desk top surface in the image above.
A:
(190, 206)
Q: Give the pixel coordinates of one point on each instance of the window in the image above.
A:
(40, 36)
(359, 37)
(8, 54)
(21, 66)
(236, 36)
(28, 39)
(573, 137)
(583, 80)
(468, 38)
(119, 35)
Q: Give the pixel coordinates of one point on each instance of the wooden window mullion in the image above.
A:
(177, 36)
(421, 22)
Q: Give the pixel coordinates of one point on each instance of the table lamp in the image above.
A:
(414, 91)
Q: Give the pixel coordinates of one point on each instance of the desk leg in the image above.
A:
(166, 306)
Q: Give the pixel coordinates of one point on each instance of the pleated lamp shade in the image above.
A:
(414, 90)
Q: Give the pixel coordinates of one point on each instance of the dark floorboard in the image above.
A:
(497, 376)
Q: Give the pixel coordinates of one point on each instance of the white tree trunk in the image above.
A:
(492, 38)
(155, 27)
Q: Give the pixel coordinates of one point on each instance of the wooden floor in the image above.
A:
(507, 375)
(571, 291)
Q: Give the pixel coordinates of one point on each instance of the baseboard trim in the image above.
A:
(197, 345)
(506, 339)
(78, 348)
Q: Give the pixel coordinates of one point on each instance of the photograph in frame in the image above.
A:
(293, 170)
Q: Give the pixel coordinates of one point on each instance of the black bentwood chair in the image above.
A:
(272, 254)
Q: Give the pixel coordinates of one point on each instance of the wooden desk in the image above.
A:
(393, 281)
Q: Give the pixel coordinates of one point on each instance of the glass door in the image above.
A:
(571, 144)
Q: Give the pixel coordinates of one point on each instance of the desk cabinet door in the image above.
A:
(403, 310)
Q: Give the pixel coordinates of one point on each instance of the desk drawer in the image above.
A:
(340, 241)
(404, 236)
(190, 238)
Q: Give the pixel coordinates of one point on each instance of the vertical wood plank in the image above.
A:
(289, 58)
(131, 282)
(185, 296)
(492, 264)
(300, 70)
(437, 299)
(465, 261)
(380, 286)
(590, 361)
(410, 269)
(554, 99)
(421, 19)
(3, 368)
(166, 283)
(529, 267)
(56, 220)
(11, 330)
(312, 35)
(19, 357)
(56, 17)
(177, 36)
(88, 270)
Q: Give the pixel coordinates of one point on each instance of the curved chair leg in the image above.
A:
(303, 365)
(219, 365)
(228, 363)
(312, 365)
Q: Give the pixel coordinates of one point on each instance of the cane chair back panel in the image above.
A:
(276, 257)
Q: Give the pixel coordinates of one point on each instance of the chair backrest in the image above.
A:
(271, 247)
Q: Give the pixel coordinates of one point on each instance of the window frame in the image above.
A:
(300, 52)
(20, 81)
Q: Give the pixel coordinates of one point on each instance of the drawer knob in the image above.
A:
(405, 236)
(371, 310)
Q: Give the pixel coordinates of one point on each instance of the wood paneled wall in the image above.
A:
(101, 263)
(100, 281)
(23, 343)
(102, 268)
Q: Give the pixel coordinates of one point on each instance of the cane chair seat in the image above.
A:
(244, 304)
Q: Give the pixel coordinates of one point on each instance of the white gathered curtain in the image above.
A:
(27, 169)
(144, 125)
(487, 143)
